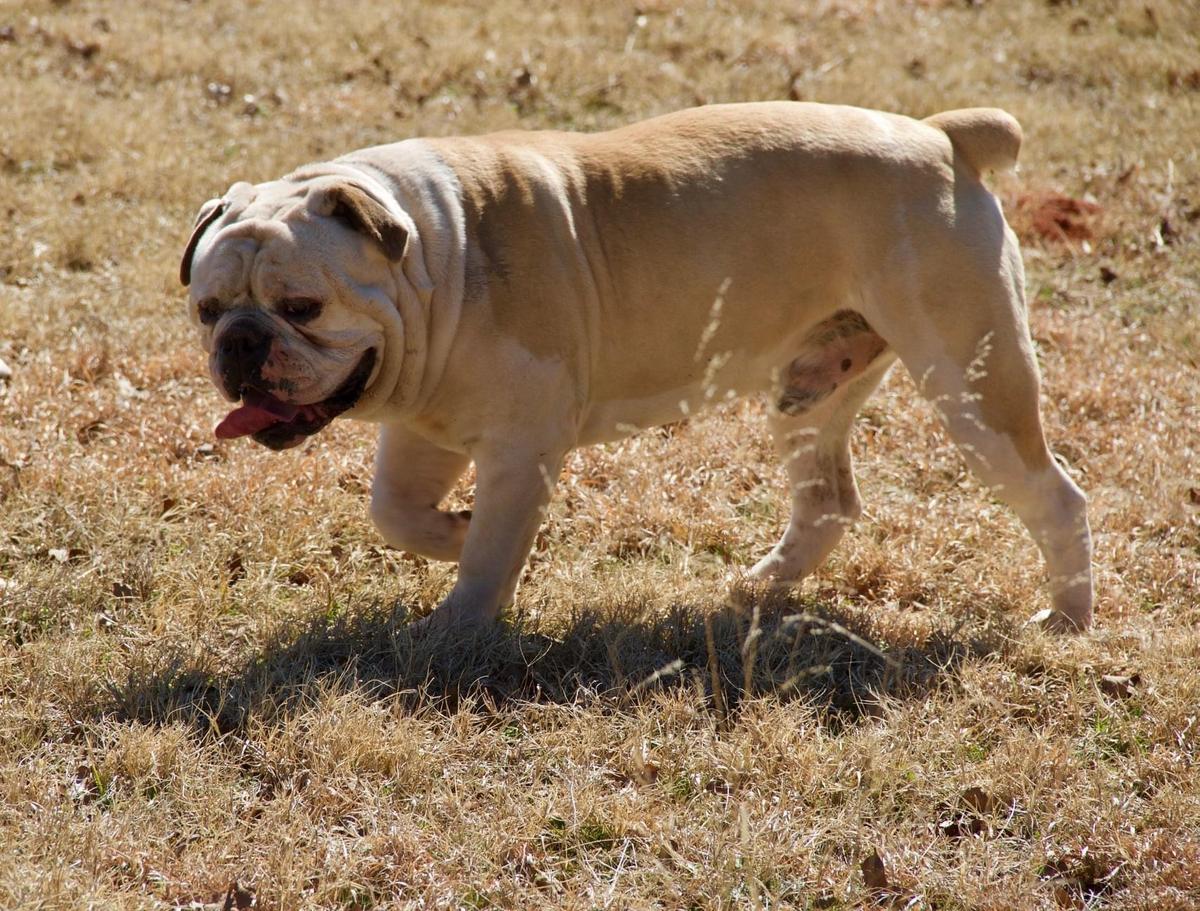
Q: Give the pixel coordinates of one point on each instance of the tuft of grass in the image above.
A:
(208, 697)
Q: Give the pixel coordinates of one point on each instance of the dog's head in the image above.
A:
(292, 289)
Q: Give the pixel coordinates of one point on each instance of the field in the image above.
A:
(208, 697)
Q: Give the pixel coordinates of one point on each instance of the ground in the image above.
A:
(205, 677)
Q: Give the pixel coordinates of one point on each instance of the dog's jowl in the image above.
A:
(501, 299)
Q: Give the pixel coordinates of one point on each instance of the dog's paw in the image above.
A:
(435, 625)
(450, 617)
(1054, 621)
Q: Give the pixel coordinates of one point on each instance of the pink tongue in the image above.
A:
(257, 412)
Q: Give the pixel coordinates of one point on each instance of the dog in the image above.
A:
(502, 299)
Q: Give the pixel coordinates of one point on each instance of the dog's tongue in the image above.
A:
(258, 411)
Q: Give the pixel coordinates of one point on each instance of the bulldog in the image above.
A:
(502, 299)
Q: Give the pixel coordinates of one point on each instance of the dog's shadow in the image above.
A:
(833, 656)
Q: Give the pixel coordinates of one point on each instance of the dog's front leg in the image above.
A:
(412, 476)
(514, 483)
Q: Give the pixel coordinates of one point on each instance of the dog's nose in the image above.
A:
(241, 351)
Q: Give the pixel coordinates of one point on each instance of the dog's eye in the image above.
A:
(209, 310)
(299, 309)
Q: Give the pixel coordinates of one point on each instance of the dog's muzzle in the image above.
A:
(278, 424)
(242, 351)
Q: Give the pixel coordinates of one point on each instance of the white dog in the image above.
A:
(502, 299)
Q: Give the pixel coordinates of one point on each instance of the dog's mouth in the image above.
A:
(277, 424)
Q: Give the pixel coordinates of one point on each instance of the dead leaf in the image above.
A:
(1120, 686)
(123, 591)
(84, 785)
(1080, 878)
(522, 78)
(85, 49)
(238, 898)
(236, 568)
(1165, 233)
(90, 364)
(874, 873)
(967, 818)
(977, 800)
(350, 482)
(10, 479)
(718, 786)
(300, 577)
(1189, 80)
(960, 825)
(90, 432)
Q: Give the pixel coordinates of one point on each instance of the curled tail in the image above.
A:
(986, 138)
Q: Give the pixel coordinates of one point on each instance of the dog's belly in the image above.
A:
(800, 372)
(615, 420)
(720, 378)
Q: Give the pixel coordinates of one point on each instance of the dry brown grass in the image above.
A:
(202, 677)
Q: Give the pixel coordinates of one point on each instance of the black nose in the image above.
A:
(241, 351)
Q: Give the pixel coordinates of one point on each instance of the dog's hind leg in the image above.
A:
(962, 334)
(821, 392)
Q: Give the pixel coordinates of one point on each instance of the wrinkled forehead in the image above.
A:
(253, 238)
(276, 200)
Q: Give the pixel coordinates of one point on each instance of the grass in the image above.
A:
(205, 678)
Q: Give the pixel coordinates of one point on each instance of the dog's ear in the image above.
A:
(360, 211)
(209, 212)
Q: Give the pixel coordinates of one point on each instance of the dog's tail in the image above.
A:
(986, 138)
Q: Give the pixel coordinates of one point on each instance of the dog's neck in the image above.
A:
(423, 194)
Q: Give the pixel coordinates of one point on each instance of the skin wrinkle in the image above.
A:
(592, 249)
(427, 192)
(403, 285)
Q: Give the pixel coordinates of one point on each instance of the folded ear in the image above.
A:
(209, 212)
(360, 211)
